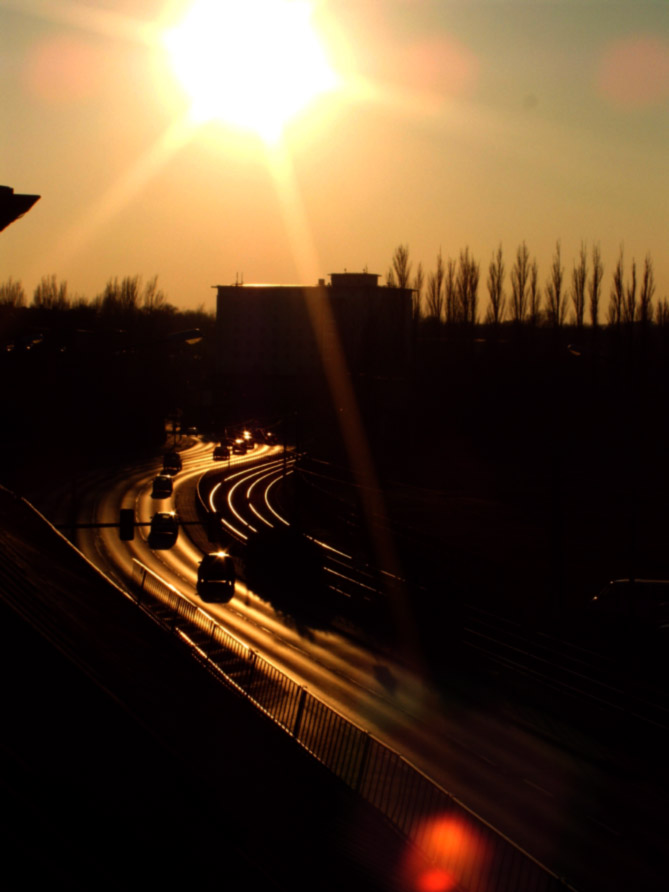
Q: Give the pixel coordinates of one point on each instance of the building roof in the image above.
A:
(14, 205)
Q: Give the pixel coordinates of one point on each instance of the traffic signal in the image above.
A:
(127, 524)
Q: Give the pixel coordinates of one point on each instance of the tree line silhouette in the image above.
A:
(525, 402)
(449, 294)
(88, 382)
(129, 297)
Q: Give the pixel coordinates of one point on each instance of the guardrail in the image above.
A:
(470, 853)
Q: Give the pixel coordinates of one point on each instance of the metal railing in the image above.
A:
(451, 836)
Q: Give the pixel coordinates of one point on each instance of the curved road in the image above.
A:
(587, 819)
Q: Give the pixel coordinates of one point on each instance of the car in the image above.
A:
(171, 463)
(164, 529)
(162, 486)
(239, 446)
(221, 452)
(216, 577)
(192, 431)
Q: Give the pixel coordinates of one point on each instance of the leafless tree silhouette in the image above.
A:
(12, 294)
(595, 285)
(662, 313)
(153, 298)
(495, 283)
(647, 292)
(417, 299)
(579, 275)
(556, 304)
(435, 289)
(617, 292)
(51, 295)
(449, 291)
(127, 297)
(534, 294)
(402, 266)
(120, 297)
(519, 278)
(466, 289)
(629, 304)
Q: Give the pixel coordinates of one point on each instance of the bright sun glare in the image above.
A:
(254, 64)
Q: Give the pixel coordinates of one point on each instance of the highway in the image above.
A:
(591, 819)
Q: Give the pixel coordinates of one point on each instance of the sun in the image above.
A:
(253, 64)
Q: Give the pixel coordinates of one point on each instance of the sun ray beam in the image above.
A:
(119, 195)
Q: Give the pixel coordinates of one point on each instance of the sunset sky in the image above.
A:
(283, 140)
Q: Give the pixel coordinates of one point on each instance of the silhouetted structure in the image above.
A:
(289, 334)
(284, 329)
(13, 205)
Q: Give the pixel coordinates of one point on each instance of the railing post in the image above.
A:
(211, 639)
(174, 613)
(141, 585)
(252, 666)
(363, 763)
(300, 710)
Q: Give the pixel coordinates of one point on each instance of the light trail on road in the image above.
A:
(538, 794)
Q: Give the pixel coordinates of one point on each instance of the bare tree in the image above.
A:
(647, 292)
(402, 266)
(617, 292)
(51, 295)
(153, 298)
(496, 288)
(556, 305)
(629, 304)
(12, 294)
(466, 289)
(519, 277)
(390, 278)
(579, 275)
(417, 297)
(435, 289)
(108, 300)
(662, 313)
(595, 286)
(130, 293)
(449, 290)
(534, 294)
(120, 297)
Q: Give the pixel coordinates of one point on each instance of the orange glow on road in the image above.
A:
(456, 852)
(435, 879)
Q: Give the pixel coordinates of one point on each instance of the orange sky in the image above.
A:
(448, 124)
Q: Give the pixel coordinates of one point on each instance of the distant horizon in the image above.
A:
(483, 294)
(440, 126)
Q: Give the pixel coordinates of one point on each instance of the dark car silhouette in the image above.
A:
(171, 463)
(162, 486)
(216, 577)
(164, 529)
